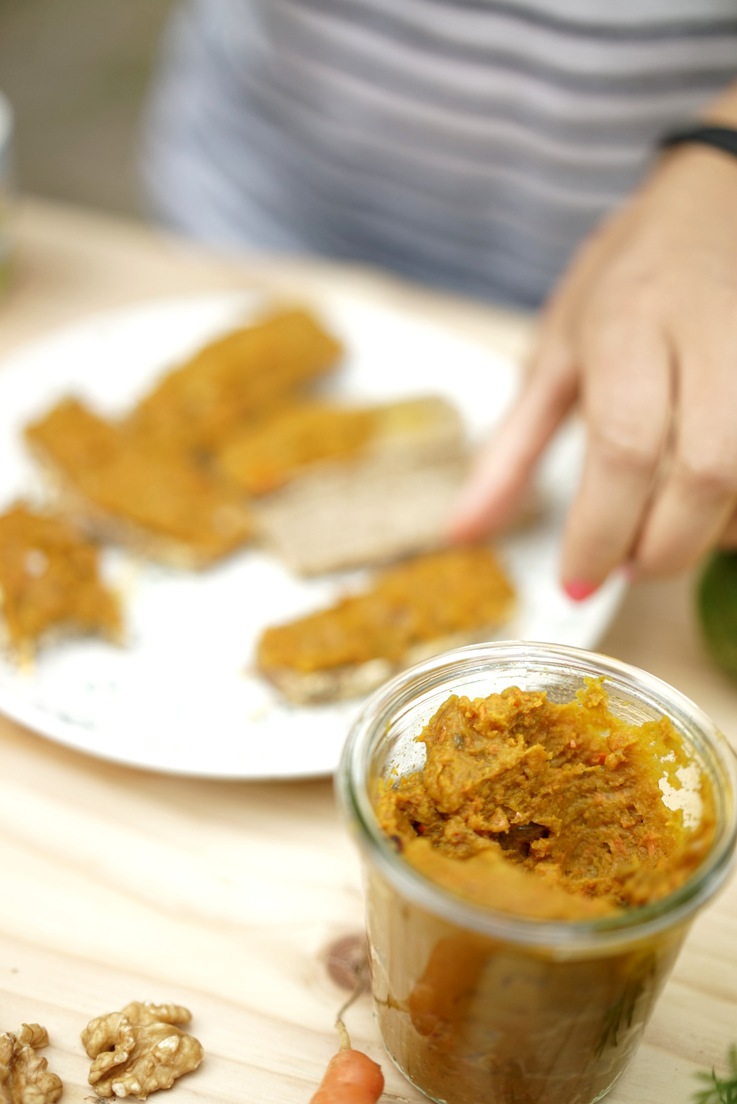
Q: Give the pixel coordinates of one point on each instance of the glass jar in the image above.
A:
(482, 1007)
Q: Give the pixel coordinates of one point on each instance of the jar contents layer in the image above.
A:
(550, 810)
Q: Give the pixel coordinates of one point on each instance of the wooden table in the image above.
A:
(117, 885)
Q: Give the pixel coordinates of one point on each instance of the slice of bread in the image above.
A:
(159, 502)
(50, 583)
(410, 611)
(389, 500)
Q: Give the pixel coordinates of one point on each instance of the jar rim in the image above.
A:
(575, 936)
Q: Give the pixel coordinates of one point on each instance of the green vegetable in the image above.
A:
(719, 1090)
(716, 604)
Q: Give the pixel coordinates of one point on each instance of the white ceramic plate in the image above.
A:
(179, 698)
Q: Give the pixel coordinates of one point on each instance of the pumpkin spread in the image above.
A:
(50, 580)
(550, 810)
(398, 611)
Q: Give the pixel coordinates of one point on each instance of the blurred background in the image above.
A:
(76, 73)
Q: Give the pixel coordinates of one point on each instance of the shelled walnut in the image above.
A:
(24, 1076)
(140, 1049)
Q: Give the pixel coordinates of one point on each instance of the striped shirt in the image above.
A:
(470, 144)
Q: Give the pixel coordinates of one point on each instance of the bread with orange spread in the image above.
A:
(411, 610)
(50, 583)
(158, 501)
(236, 379)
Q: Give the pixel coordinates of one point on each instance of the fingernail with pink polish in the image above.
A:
(579, 589)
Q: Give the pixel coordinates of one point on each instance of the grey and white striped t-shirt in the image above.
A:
(471, 144)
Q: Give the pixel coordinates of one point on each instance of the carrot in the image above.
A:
(351, 1077)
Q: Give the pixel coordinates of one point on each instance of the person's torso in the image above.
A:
(470, 142)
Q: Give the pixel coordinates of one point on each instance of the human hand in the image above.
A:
(642, 333)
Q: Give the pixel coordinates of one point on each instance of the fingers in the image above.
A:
(659, 482)
(694, 506)
(503, 468)
(641, 330)
(498, 480)
(658, 489)
(626, 397)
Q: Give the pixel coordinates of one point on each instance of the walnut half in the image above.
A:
(140, 1049)
(24, 1077)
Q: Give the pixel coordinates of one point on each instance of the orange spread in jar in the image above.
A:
(426, 598)
(550, 809)
(49, 578)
